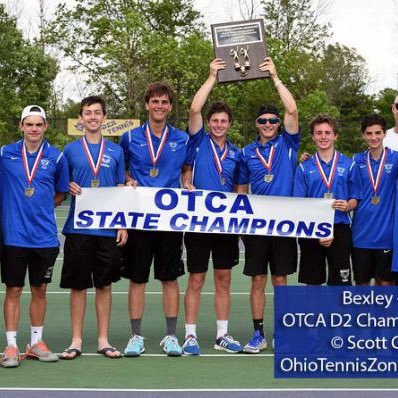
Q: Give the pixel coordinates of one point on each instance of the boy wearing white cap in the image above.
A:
(34, 179)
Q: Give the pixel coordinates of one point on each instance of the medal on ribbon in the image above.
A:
(95, 167)
(328, 181)
(154, 171)
(268, 177)
(30, 175)
(218, 160)
(375, 200)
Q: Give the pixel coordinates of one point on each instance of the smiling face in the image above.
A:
(266, 129)
(374, 136)
(92, 118)
(324, 136)
(219, 125)
(33, 128)
(159, 108)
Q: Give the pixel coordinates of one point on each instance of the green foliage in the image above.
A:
(383, 104)
(26, 75)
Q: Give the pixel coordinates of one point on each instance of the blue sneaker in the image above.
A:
(256, 344)
(171, 346)
(228, 344)
(135, 346)
(191, 346)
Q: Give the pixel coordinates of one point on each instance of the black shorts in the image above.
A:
(90, 260)
(313, 259)
(372, 263)
(39, 262)
(223, 248)
(162, 247)
(280, 253)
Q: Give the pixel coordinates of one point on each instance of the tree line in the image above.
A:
(119, 46)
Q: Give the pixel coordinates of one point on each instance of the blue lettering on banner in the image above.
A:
(86, 219)
(162, 196)
(242, 203)
(178, 227)
(119, 221)
(151, 221)
(336, 332)
(209, 202)
(191, 198)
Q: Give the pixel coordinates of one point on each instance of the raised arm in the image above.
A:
(290, 120)
(200, 98)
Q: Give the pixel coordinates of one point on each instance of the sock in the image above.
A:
(222, 328)
(259, 325)
(135, 326)
(36, 334)
(171, 324)
(190, 329)
(11, 338)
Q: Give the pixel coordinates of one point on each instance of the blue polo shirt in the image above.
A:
(372, 225)
(252, 170)
(138, 159)
(111, 173)
(205, 172)
(346, 183)
(30, 221)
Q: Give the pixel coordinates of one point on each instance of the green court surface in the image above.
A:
(154, 370)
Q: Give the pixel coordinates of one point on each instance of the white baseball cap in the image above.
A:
(33, 110)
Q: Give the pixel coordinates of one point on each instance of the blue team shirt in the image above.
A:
(111, 173)
(346, 183)
(205, 172)
(251, 169)
(30, 221)
(169, 164)
(372, 226)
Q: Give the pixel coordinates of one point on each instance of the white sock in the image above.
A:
(11, 338)
(36, 334)
(190, 329)
(222, 328)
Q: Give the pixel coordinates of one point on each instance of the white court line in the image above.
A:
(165, 390)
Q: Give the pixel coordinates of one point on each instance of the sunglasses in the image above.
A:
(271, 120)
(396, 106)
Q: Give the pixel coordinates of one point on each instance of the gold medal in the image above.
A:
(375, 200)
(29, 191)
(328, 195)
(95, 183)
(222, 180)
(268, 177)
(154, 172)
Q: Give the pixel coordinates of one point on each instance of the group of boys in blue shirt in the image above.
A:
(168, 157)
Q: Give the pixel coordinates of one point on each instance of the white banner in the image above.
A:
(166, 209)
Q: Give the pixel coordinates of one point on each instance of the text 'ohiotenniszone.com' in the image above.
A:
(328, 332)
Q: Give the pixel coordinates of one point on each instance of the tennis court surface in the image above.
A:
(235, 375)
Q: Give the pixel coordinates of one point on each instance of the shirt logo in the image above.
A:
(362, 166)
(106, 160)
(143, 144)
(388, 167)
(14, 157)
(340, 171)
(44, 163)
(173, 146)
(111, 150)
(232, 153)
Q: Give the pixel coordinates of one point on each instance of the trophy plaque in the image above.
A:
(242, 46)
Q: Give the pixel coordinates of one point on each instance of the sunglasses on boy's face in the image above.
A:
(396, 106)
(271, 120)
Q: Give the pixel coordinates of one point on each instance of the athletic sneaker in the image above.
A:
(41, 352)
(191, 346)
(171, 346)
(10, 358)
(135, 346)
(228, 344)
(256, 344)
